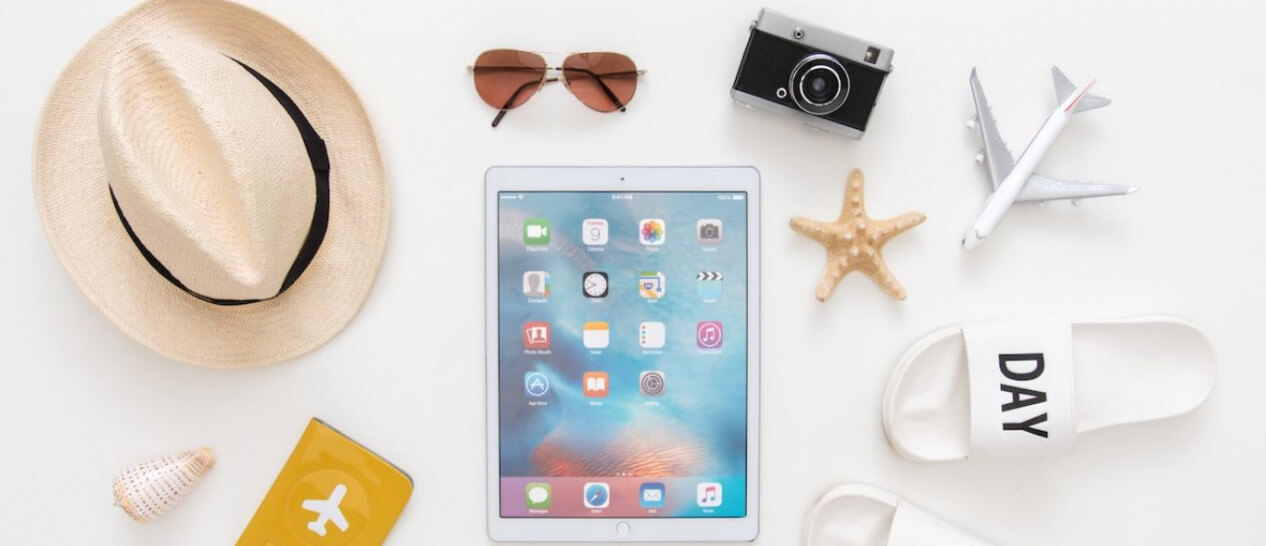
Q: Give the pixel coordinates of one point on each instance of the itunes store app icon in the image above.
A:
(708, 334)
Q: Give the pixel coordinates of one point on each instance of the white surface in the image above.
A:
(81, 400)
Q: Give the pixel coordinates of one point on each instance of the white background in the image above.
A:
(79, 399)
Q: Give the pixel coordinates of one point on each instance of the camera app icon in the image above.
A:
(708, 231)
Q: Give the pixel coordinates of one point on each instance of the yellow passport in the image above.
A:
(332, 492)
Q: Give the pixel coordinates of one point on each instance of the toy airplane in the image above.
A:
(1013, 179)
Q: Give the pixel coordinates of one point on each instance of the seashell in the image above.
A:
(149, 489)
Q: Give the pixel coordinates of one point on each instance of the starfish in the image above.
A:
(855, 241)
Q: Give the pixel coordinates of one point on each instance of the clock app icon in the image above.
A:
(595, 284)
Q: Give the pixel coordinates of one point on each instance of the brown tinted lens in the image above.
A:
(506, 78)
(603, 81)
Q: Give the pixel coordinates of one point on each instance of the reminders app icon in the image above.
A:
(651, 335)
(652, 495)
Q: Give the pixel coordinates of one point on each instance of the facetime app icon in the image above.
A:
(536, 232)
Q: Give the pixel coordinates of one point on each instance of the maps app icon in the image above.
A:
(709, 285)
(651, 285)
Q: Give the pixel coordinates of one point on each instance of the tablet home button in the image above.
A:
(622, 528)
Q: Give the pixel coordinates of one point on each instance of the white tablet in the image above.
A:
(623, 353)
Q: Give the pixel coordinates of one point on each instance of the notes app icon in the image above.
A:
(596, 335)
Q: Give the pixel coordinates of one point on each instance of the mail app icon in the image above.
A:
(652, 495)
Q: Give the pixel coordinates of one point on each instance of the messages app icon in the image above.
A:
(537, 496)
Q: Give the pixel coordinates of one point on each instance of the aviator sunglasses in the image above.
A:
(507, 78)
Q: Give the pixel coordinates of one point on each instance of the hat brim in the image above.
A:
(72, 195)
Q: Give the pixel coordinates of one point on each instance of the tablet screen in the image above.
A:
(622, 354)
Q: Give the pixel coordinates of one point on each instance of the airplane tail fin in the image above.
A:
(1065, 87)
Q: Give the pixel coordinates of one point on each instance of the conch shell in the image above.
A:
(149, 489)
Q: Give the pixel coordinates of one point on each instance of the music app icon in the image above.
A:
(708, 334)
(708, 495)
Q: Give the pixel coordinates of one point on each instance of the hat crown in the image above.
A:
(207, 168)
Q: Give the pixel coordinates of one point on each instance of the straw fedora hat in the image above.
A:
(212, 184)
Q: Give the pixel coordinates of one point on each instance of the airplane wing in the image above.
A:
(1041, 188)
(996, 152)
(338, 520)
(313, 505)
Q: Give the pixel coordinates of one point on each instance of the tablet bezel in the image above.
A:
(621, 179)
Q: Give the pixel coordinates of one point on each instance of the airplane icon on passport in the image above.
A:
(327, 511)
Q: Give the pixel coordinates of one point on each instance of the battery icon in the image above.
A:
(739, 197)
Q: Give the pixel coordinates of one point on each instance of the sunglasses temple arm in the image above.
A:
(605, 90)
(515, 95)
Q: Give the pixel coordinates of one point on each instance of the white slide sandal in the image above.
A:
(864, 515)
(1030, 387)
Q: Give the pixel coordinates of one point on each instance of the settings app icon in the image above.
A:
(652, 383)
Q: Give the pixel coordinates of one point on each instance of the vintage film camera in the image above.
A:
(828, 79)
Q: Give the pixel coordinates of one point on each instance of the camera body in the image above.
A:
(828, 79)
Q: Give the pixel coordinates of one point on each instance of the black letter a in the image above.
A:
(1017, 397)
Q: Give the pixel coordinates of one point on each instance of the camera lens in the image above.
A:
(819, 84)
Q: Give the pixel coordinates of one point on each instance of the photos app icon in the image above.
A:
(651, 231)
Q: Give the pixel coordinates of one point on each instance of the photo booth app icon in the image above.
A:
(536, 284)
(651, 284)
(596, 335)
(536, 232)
(536, 335)
(709, 285)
